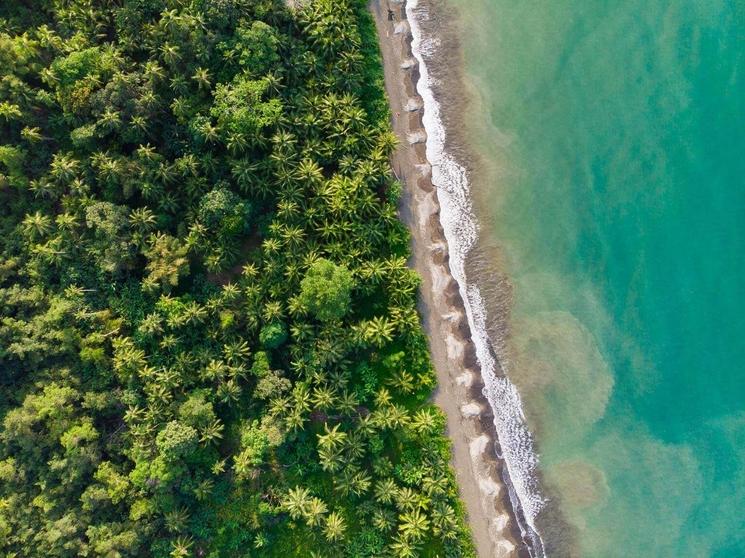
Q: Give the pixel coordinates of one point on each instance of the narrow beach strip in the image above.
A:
(493, 449)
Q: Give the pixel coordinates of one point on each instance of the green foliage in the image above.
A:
(197, 411)
(208, 337)
(273, 335)
(326, 289)
(76, 76)
(253, 442)
(223, 212)
(176, 440)
(241, 108)
(255, 48)
(167, 262)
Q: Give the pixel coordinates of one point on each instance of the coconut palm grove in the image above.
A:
(209, 343)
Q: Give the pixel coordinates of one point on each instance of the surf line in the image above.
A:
(461, 231)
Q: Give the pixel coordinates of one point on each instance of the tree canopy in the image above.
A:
(209, 344)
(326, 289)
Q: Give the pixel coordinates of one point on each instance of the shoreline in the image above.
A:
(494, 508)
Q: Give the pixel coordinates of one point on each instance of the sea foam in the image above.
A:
(461, 230)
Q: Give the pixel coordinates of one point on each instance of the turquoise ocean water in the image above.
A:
(615, 138)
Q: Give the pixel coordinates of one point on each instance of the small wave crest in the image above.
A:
(461, 230)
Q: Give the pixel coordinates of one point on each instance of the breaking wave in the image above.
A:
(461, 230)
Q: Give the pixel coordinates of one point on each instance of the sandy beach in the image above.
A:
(470, 422)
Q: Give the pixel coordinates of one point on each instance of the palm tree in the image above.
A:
(77, 187)
(424, 420)
(348, 401)
(435, 484)
(403, 548)
(293, 236)
(51, 251)
(405, 318)
(296, 502)
(414, 525)
(236, 143)
(403, 380)
(176, 520)
(373, 270)
(314, 511)
(271, 246)
(344, 483)
(230, 292)
(302, 332)
(158, 394)
(154, 71)
(295, 420)
(324, 398)
(10, 111)
(260, 541)
(149, 101)
(293, 274)
(335, 527)
(110, 120)
(243, 466)
(355, 446)
(367, 204)
(406, 498)
(387, 142)
(32, 134)
(397, 416)
(383, 397)
(180, 547)
(204, 490)
(168, 341)
(284, 142)
(210, 132)
(139, 124)
(283, 177)
(215, 370)
(301, 397)
(170, 53)
(444, 521)
(165, 173)
(385, 490)
(134, 415)
(36, 225)
(142, 219)
(330, 459)
(169, 19)
(333, 439)
(218, 467)
(202, 78)
(228, 392)
(287, 209)
(236, 352)
(383, 520)
(272, 311)
(378, 331)
(180, 86)
(309, 172)
(366, 426)
(110, 170)
(249, 271)
(212, 432)
(274, 82)
(194, 313)
(361, 483)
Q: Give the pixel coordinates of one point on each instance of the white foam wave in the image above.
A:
(461, 230)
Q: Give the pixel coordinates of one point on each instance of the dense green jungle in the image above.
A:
(209, 342)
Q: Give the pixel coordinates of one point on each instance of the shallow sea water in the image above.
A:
(614, 190)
